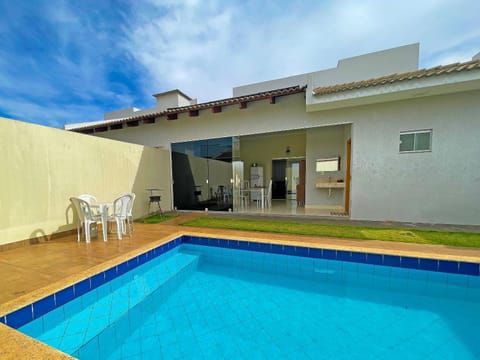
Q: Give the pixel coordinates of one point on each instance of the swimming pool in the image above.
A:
(208, 298)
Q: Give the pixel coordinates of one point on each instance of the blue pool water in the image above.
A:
(202, 302)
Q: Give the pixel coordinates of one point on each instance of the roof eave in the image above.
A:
(438, 71)
(172, 112)
(439, 85)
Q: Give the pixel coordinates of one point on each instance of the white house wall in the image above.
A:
(376, 64)
(442, 186)
(288, 113)
(438, 187)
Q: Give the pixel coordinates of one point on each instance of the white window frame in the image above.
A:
(430, 131)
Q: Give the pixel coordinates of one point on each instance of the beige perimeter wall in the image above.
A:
(43, 167)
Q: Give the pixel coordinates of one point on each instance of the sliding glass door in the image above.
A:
(202, 174)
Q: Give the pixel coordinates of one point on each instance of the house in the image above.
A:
(374, 138)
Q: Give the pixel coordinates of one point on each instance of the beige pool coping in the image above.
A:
(35, 271)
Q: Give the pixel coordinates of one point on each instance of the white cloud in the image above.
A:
(105, 58)
(206, 48)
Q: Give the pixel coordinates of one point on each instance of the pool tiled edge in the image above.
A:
(19, 317)
(38, 308)
(32, 311)
(418, 263)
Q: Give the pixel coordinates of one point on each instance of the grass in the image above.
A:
(343, 231)
(155, 219)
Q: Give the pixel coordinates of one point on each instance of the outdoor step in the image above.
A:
(79, 328)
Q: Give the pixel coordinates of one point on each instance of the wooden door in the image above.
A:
(301, 184)
(347, 176)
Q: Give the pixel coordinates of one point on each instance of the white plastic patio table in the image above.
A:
(103, 207)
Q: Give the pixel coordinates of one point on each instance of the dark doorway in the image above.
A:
(279, 184)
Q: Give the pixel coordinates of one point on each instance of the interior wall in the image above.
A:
(325, 142)
(261, 149)
(43, 167)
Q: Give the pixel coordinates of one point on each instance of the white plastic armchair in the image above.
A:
(120, 214)
(86, 218)
(130, 214)
(91, 200)
(268, 195)
(244, 193)
(88, 198)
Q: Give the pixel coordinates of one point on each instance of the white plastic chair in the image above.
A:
(228, 194)
(86, 218)
(120, 213)
(268, 195)
(244, 195)
(129, 214)
(91, 200)
(88, 198)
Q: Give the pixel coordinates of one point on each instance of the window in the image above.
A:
(330, 164)
(416, 141)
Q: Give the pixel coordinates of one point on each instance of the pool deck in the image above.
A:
(31, 272)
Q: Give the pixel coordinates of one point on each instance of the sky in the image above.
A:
(71, 61)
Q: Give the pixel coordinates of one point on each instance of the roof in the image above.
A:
(174, 91)
(150, 117)
(394, 78)
(240, 99)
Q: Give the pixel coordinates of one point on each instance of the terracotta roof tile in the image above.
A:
(390, 79)
(224, 102)
(237, 100)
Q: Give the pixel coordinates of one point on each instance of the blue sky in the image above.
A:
(71, 61)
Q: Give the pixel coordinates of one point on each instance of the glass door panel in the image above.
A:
(219, 155)
(202, 174)
(293, 178)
